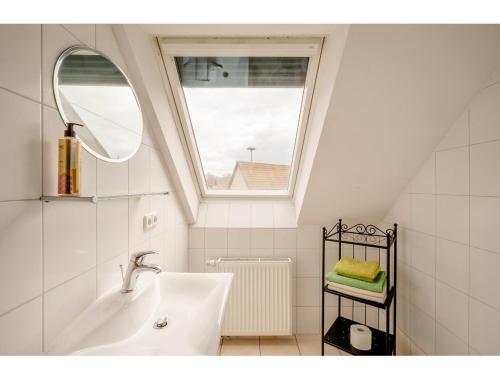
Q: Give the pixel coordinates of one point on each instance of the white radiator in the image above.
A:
(260, 300)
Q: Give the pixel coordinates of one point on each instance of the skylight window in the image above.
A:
(243, 116)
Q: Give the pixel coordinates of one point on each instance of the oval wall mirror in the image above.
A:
(93, 91)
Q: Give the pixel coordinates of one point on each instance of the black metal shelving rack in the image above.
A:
(383, 342)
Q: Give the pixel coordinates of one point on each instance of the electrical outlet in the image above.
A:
(147, 221)
(154, 217)
(150, 220)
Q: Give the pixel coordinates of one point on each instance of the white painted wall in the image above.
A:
(449, 217)
(58, 257)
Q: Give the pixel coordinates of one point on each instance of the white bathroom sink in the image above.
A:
(122, 324)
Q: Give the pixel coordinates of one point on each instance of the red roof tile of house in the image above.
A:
(263, 176)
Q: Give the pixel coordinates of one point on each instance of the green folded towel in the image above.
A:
(357, 269)
(376, 286)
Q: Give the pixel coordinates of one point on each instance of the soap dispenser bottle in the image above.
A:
(69, 164)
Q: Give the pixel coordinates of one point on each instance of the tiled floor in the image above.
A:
(295, 345)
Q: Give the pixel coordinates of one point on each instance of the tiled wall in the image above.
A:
(264, 229)
(57, 257)
(301, 244)
(449, 216)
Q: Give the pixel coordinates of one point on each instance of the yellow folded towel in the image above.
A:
(357, 269)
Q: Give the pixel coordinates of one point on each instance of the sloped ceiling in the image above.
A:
(398, 89)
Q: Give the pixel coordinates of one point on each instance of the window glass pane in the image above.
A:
(244, 113)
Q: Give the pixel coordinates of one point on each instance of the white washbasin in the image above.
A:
(122, 324)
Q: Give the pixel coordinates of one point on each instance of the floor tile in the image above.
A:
(240, 346)
(310, 345)
(279, 346)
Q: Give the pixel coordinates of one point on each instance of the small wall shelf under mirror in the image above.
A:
(97, 198)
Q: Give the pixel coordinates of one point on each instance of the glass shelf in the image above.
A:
(96, 198)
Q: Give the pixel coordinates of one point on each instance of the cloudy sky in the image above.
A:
(228, 120)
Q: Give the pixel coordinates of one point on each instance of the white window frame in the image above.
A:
(238, 47)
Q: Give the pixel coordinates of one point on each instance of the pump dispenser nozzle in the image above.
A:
(70, 130)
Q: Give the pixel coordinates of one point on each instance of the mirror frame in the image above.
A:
(55, 82)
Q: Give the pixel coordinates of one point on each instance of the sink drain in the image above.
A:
(160, 323)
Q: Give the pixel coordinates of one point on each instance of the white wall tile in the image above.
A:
(284, 215)
(262, 238)
(159, 178)
(138, 207)
(196, 238)
(239, 215)
(66, 241)
(309, 236)
(308, 320)
(423, 213)
(238, 252)
(423, 330)
(452, 264)
(423, 252)
(403, 280)
(423, 291)
(238, 238)
(53, 129)
(196, 260)
(109, 275)
(55, 40)
(484, 270)
(158, 205)
(262, 215)
(485, 223)
(21, 330)
(452, 171)
(458, 134)
(106, 42)
(452, 213)
(403, 314)
(309, 262)
(424, 182)
(157, 244)
(308, 292)
(20, 155)
(112, 178)
(483, 329)
(402, 210)
(288, 253)
(484, 171)
(285, 238)
(21, 252)
(69, 240)
(447, 344)
(217, 215)
(83, 32)
(485, 115)
(112, 229)
(20, 56)
(139, 171)
(64, 303)
(262, 252)
(452, 310)
(216, 238)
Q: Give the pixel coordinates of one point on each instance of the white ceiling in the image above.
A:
(398, 89)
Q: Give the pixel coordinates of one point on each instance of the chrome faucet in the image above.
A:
(135, 267)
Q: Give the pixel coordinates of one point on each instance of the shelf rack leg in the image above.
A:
(395, 282)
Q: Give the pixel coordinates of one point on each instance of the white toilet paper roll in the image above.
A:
(361, 337)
